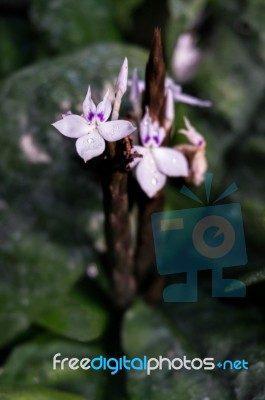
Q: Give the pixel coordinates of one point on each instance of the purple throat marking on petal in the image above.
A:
(147, 139)
(100, 116)
(156, 139)
(90, 116)
(200, 142)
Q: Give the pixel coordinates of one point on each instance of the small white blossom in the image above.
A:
(157, 162)
(181, 97)
(195, 153)
(178, 95)
(91, 129)
(186, 57)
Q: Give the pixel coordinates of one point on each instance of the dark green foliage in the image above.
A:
(51, 218)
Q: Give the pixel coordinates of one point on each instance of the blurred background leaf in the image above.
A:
(53, 292)
(63, 27)
(35, 394)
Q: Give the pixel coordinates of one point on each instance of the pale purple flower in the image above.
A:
(92, 129)
(157, 162)
(192, 134)
(135, 93)
(186, 57)
(181, 97)
(138, 86)
(195, 152)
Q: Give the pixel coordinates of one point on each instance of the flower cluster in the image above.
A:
(153, 161)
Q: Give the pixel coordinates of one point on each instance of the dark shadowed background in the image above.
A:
(52, 286)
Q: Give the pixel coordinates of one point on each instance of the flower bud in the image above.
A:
(186, 57)
(169, 109)
(135, 91)
(121, 83)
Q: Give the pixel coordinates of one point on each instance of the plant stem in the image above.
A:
(118, 235)
(155, 100)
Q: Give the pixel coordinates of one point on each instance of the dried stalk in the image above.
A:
(117, 222)
(155, 99)
(118, 234)
(128, 270)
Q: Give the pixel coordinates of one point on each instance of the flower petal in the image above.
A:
(104, 109)
(148, 176)
(140, 150)
(121, 82)
(115, 130)
(193, 101)
(151, 134)
(89, 107)
(169, 109)
(186, 149)
(161, 135)
(193, 136)
(170, 162)
(135, 92)
(89, 146)
(171, 85)
(72, 126)
(145, 127)
(198, 167)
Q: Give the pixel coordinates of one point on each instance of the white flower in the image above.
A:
(157, 162)
(91, 130)
(183, 97)
(138, 86)
(186, 57)
(195, 153)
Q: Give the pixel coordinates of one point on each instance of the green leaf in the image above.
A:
(207, 328)
(158, 337)
(254, 15)
(31, 364)
(34, 274)
(65, 27)
(13, 45)
(123, 12)
(250, 384)
(74, 317)
(226, 70)
(254, 276)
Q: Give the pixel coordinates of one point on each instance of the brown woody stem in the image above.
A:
(155, 100)
(125, 268)
(118, 235)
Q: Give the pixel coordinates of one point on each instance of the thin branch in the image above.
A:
(155, 99)
(116, 208)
